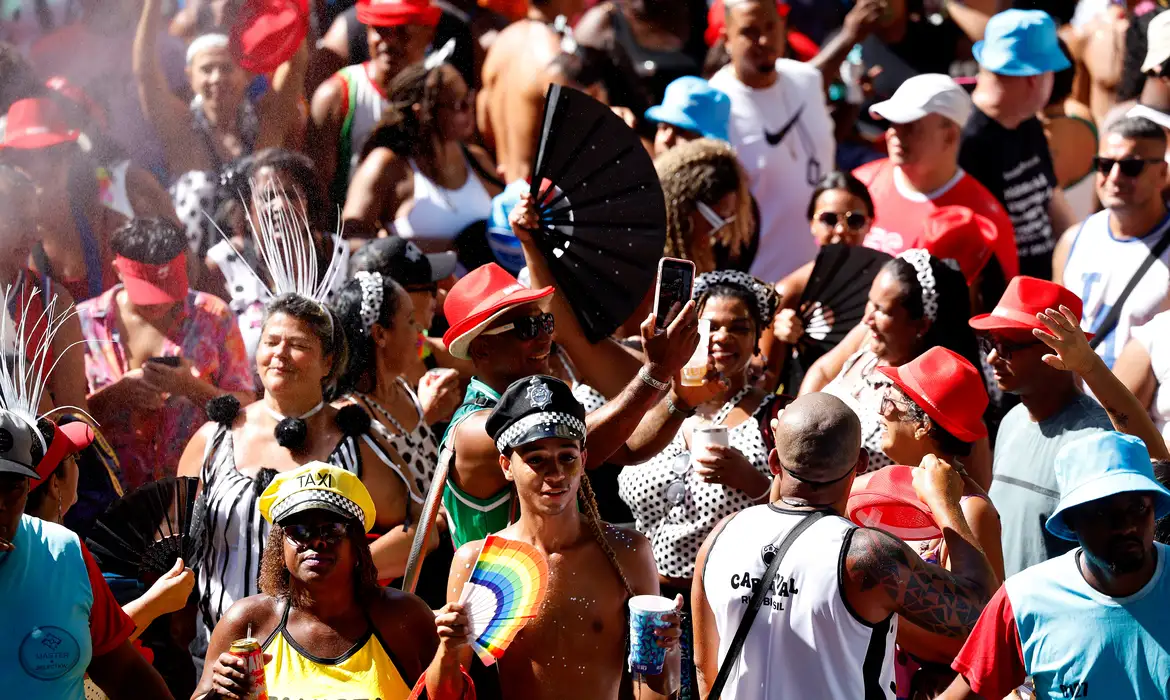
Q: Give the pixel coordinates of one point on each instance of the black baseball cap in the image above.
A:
(403, 261)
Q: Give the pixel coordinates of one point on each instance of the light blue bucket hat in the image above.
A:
(1101, 465)
(1020, 43)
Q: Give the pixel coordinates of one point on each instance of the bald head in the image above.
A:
(818, 438)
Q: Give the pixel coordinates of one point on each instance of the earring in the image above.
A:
(60, 519)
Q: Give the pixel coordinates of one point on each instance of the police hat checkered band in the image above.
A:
(920, 259)
(373, 290)
(557, 424)
(316, 499)
(765, 296)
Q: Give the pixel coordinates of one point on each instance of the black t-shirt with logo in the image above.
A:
(1016, 166)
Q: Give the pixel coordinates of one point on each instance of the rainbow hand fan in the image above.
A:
(506, 586)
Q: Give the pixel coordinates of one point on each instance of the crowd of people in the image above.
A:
(286, 256)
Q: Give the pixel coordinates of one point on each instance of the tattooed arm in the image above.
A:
(882, 575)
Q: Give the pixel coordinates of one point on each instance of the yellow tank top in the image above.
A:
(365, 671)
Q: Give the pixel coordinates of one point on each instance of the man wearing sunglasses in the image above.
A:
(1052, 412)
(1098, 258)
(926, 116)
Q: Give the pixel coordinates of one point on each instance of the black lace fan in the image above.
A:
(142, 533)
(602, 214)
(834, 298)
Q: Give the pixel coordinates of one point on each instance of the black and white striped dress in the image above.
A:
(235, 534)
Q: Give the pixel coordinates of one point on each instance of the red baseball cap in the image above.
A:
(959, 234)
(37, 122)
(1022, 300)
(68, 439)
(889, 502)
(154, 284)
(478, 299)
(948, 387)
(394, 13)
(267, 33)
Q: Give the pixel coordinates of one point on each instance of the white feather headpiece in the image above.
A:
(22, 381)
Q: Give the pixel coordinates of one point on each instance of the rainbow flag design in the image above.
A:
(506, 587)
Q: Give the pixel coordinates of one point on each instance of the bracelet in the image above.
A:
(765, 493)
(644, 375)
(674, 410)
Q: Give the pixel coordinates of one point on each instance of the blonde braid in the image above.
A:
(588, 501)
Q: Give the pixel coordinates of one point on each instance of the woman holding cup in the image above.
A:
(704, 456)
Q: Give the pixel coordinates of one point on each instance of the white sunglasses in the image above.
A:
(717, 222)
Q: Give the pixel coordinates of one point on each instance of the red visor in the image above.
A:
(68, 439)
(394, 13)
(154, 284)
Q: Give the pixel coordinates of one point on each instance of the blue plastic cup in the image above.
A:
(646, 615)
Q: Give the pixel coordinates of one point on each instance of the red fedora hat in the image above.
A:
(1022, 300)
(394, 13)
(478, 299)
(959, 234)
(37, 123)
(889, 502)
(948, 388)
(266, 33)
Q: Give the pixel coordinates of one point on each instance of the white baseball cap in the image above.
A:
(1158, 51)
(929, 93)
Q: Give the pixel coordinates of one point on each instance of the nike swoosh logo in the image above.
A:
(776, 138)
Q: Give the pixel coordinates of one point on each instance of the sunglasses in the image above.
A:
(1129, 167)
(890, 408)
(713, 218)
(1003, 348)
(527, 328)
(329, 533)
(854, 220)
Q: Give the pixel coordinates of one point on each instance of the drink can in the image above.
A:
(646, 613)
(249, 650)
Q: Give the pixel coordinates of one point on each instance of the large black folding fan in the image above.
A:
(602, 214)
(834, 299)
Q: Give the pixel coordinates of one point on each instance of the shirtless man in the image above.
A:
(347, 106)
(576, 646)
(516, 76)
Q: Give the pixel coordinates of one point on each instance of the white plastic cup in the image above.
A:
(694, 372)
(703, 437)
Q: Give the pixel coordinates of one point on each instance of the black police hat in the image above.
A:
(535, 408)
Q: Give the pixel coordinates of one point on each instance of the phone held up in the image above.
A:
(676, 279)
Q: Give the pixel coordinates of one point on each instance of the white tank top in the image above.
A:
(1100, 266)
(806, 642)
(438, 214)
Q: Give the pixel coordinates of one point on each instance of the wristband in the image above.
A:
(674, 410)
(644, 375)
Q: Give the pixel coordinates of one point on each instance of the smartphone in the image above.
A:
(676, 279)
(168, 361)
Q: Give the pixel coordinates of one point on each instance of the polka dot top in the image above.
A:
(864, 396)
(677, 531)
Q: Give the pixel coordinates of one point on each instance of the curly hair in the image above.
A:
(274, 575)
(704, 170)
(402, 129)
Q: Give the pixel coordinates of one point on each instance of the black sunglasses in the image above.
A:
(329, 533)
(1129, 167)
(528, 327)
(854, 220)
(1003, 348)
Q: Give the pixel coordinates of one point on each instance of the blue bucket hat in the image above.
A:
(1101, 465)
(691, 103)
(1020, 43)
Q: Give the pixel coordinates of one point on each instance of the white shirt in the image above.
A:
(806, 641)
(1099, 268)
(1155, 338)
(784, 138)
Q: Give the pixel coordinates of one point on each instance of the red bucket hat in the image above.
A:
(1022, 300)
(37, 123)
(889, 502)
(959, 234)
(948, 388)
(154, 284)
(478, 299)
(68, 439)
(394, 13)
(267, 33)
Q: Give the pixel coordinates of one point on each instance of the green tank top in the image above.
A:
(472, 518)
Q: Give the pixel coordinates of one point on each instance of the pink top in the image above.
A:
(149, 445)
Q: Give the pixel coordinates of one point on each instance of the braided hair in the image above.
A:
(587, 500)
